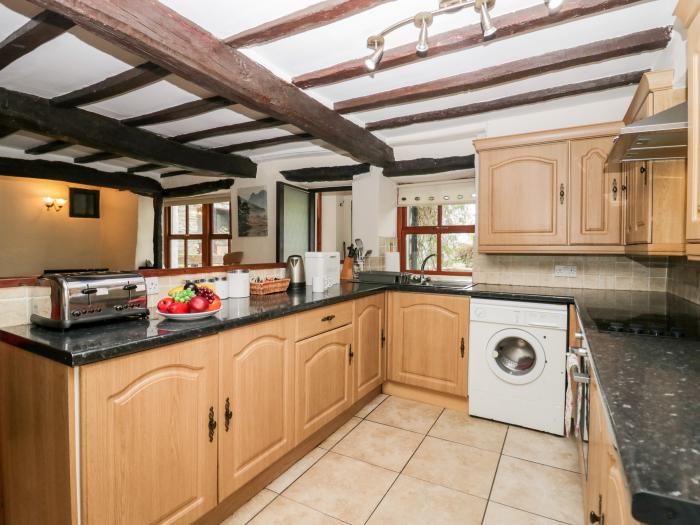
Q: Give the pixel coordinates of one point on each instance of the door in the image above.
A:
(296, 213)
(596, 204)
(428, 341)
(256, 401)
(323, 380)
(639, 203)
(369, 344)
(597, 456)
(148, 435)
(523, 195)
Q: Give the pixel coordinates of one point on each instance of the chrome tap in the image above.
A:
(423, 278)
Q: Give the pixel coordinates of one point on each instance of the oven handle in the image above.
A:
(580, 377)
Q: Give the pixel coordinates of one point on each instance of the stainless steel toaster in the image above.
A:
(80, 298)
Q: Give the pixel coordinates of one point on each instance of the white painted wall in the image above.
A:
(329, 227)
(374, 206)
(144, 234)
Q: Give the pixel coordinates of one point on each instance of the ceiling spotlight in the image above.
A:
(377, 44)
(423, 21)
(487, 26)
(554, 5)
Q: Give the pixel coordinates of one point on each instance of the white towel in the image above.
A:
(572, 406)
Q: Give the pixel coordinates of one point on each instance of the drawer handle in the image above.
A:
(227, 414)
(212, 424)
(328, 318)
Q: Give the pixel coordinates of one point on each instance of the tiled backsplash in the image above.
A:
(684, 279)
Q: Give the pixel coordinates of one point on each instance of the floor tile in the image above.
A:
(412, 501)
(409, 415)
(497, 514)
(455, 466)
(381, 445)
(296, 470)
(542, 448)
(472, 431)
(284, 511)
(250, 509)
(547, 491)
(342, 487)
(365, 410)
(339, 434)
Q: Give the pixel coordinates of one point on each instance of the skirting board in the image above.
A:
(430, 397)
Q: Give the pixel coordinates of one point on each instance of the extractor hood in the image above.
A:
(663, 136)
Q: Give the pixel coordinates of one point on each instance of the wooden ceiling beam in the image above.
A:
(181, 111)
(314, 16)
(198, 189)
(509, 24)
(160, 35)
(100, 156)
(256, 144)
(253, 125)
(73, 173)
(36, 114)
(144, 167)
(522, 99)
(54, 145)
(650, 40)
(43, 27)
(175, 173)
(329, 173)
(428, 166)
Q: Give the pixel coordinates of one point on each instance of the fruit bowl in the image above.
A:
(191, 316)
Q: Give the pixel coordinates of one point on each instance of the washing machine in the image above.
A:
(517, 363)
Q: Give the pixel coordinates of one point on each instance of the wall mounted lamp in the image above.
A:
(56, 204)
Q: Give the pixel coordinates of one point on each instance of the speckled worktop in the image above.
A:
(650, 386)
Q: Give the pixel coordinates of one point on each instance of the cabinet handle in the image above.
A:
(212, 424)
(227, 414)
(461, 347)
(614, 189)
(328, 318)
(350, 355)
(383, 338)
(643, 171)
(593, 517)
(562, 193)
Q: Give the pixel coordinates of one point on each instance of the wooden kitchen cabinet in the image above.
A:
(429, 338)
(596, 201)
(323, 370)
(369, 344)
(256, 400)
(148, 441)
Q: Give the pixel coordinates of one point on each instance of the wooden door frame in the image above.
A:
(318, 192)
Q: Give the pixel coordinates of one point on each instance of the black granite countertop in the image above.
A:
(650, 386)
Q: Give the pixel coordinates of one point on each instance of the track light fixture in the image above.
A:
(423, 21)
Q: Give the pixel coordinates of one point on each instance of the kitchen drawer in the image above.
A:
(323, 319)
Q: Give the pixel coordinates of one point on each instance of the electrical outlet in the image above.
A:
(152, 285)
(564, 271)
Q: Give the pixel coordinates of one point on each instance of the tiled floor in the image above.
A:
(405, 463)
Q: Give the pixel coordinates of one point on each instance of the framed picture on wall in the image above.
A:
(252, 212)
(84, 204)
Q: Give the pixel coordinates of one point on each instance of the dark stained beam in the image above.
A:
(329, 173)
(54, 145)
(510, 24)
(162, 36)
(118, 84)
(256, 144)
(175, 173)
(427, 166)
(632, 44)
(43, 27)
(181, 111)
(198, 189)
(95, 157)
(253, 125)
(144, 167)
(90, 129)
(158, 231)
(533, 97)
(315, 15)
(6, 131)
(68, 172)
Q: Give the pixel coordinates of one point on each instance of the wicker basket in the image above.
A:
(268, 287)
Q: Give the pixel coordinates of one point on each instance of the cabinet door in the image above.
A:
(596, 206)
(597, 456)
(429, 341)
(520, 195)
(617, 503)
(369, 344)
(323, 380)
(639, 195)
(148, 454)
(693, 226)
(256, 401)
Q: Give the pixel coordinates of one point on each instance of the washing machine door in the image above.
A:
(515, 356)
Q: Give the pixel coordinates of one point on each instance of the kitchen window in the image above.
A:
(197, 234)
(444, 230)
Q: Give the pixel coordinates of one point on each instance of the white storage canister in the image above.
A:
(238, 283)
(221, 285)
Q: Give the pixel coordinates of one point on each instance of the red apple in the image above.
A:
(163, 304)
(198, 304)
(179, 308)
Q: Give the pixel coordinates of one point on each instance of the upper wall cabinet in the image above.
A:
(550, 192)
(688, 11)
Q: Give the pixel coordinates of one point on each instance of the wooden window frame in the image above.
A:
(206, 236)
(403, 230)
